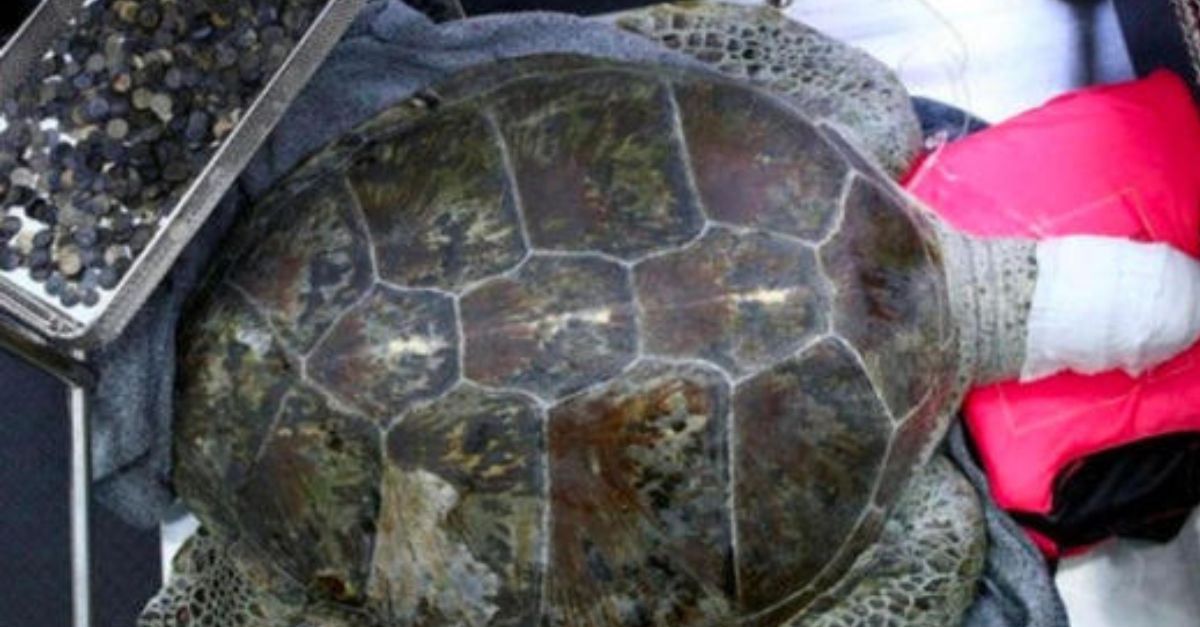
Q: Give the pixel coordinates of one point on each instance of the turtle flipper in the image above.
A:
(827, 79)
(924, 570)
(213, 584)
(439, 10)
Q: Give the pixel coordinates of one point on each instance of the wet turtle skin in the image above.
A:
(829, 80)
(569, 342)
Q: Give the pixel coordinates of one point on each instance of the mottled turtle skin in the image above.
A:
(829, 80)
(570, 342)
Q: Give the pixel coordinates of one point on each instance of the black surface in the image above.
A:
(34, 520)
(125, 571)
(1145, 490)
(35, 567)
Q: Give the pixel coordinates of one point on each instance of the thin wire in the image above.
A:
(958, 64)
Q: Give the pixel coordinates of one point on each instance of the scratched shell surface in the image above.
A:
(569, 342)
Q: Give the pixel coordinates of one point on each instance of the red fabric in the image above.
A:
(1048, 547)
(1117, 160)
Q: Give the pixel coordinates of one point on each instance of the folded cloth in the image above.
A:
(390, 53)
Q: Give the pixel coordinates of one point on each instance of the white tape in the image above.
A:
(1102, 303)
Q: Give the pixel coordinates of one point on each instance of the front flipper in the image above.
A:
(925, 568)
(827, 79)
(214, 584)
(223, 584)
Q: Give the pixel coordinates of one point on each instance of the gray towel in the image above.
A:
(1017, 589)
(390, 53)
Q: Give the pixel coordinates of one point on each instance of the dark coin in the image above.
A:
(42, 240)
(85, 237)
(177, 172)
(39, 258)
(18, 196)
(61, 153)
(272, 34)
(39, 273)
(108, 278)
(69, 296)
(122, 223)
(198, 125)
(148, 16)
(97, 108)
(96, 63)
(114, 152)
(9, 259)
(225, 56)
(250, 67)
(122, 266)
(117, 128)
(55, 284)
(173, 79)
(17, 136)
(83, 81)
(89, 282)
(91, 257)
(247, 39)
(42, 211)
(10, 226)
(71, 68)
(141, 238)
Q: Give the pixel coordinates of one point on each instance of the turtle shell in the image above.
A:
(569, 342)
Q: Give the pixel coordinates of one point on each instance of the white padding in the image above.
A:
(1102, 303)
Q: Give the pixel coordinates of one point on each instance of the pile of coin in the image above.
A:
(114, 122)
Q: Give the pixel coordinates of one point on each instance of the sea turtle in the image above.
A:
(568, 341)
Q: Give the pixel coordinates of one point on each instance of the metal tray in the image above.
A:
(65, 330)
